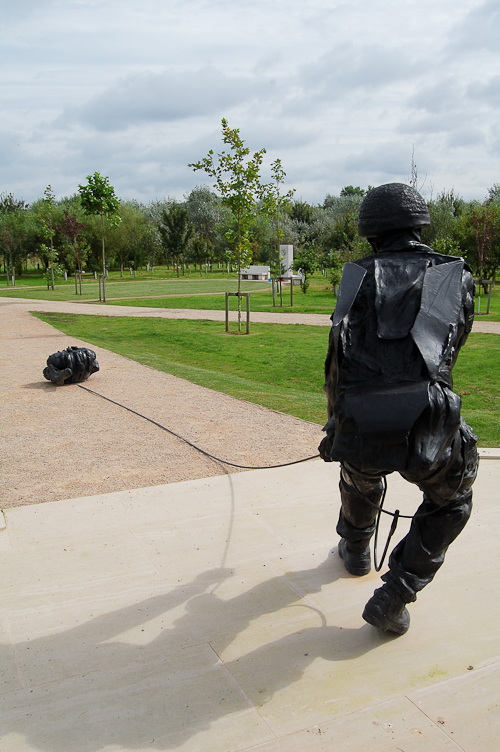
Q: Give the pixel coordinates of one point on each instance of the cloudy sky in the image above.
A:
(341, 92)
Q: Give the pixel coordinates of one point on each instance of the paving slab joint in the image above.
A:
(3, 521)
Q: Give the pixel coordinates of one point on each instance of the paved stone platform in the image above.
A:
(214, 615)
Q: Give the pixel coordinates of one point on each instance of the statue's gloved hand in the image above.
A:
(57, 377)
(325, 449)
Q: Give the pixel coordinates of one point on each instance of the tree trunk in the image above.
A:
(239, 277)
(103, 256)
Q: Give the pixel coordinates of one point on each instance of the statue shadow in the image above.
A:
(87, 690)
(38, 385)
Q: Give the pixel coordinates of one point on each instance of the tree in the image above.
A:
(494, 192)
(444, 212)
(237, 179)
(135, 241)
(205, 211)
(343, 238)
(47, 220)
(306, 262)
(414, 179)
(175, 230)
(98, 197)
(274, 203)
(350, 190)
(208, 215)
(14, 230)
(302, 212)
(484, 221)
(338, 206)
(199, 251)
(71, 228)
(9, 205)
(334, 264)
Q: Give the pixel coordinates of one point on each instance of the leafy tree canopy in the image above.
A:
(8, 204)
(98, 196)
(350, 190)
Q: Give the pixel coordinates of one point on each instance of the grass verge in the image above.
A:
(278, 366)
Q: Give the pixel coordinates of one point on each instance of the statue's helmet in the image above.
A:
(394, 206)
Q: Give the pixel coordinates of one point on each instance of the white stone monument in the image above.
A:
(286, 261)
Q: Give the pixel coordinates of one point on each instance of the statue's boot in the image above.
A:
(387, 610)
(356, 557)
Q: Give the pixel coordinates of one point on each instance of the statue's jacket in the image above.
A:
(401, 318)
(71, 366)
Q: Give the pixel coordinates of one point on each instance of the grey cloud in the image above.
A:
(388, 160)
(441, 96)
(164, 97)
(14, 10)
(373, 166)
(277, 134)
(441, 122)
(143, 168)
(495, 143)
(27, 168)
(465, 137)
(453, 107)
(344, 76)
(488, 92)
(10, 149)
(479, 30)
(149, 167)
(347, 67)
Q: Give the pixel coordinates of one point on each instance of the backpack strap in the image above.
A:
(438, 318)
(352, 279)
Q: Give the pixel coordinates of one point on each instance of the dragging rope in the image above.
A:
(194, 446)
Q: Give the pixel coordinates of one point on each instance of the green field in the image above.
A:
(121, 291)
(278, 366)
(319, 299)
(164, 289)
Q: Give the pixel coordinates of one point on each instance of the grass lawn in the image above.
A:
(36, 278)
(253, 367)
(318, 299)
(476, 380)
(164, 290)
(126, 289)
(279, 366)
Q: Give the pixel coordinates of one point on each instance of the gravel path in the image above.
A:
(308, 319)
(311, 319)
(62, 442)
